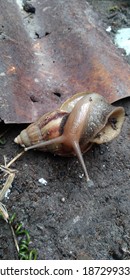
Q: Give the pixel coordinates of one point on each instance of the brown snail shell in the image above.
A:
(82, 120)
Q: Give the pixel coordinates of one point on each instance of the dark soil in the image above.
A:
(65, 219)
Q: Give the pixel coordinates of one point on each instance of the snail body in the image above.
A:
(82, 120)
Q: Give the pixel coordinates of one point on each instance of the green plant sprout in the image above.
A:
(24, 253)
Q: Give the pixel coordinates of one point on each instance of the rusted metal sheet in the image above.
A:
(51, 55)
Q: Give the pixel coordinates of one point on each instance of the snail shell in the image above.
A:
(49, 126)
(82, 120)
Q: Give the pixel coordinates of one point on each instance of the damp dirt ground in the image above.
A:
(64, 218)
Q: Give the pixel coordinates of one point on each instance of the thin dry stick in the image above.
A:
(11, 173)
(15, 239)
(4, 212)
(7, 170)
(7, 185)
(15, 158)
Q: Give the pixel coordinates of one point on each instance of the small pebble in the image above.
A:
(42, 181)
(81, 176)
(2, 74)
(63, 199)
(108, 29)
(7, 193)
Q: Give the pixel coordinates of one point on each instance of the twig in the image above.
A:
(15, 239)
(15, 158)
(7, 170)
(4, 212)
(7, 185)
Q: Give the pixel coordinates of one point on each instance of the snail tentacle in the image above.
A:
(42, 144)
(77, 150)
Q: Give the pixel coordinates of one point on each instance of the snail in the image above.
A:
(81, 121)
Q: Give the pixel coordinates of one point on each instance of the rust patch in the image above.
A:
(51, 55)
